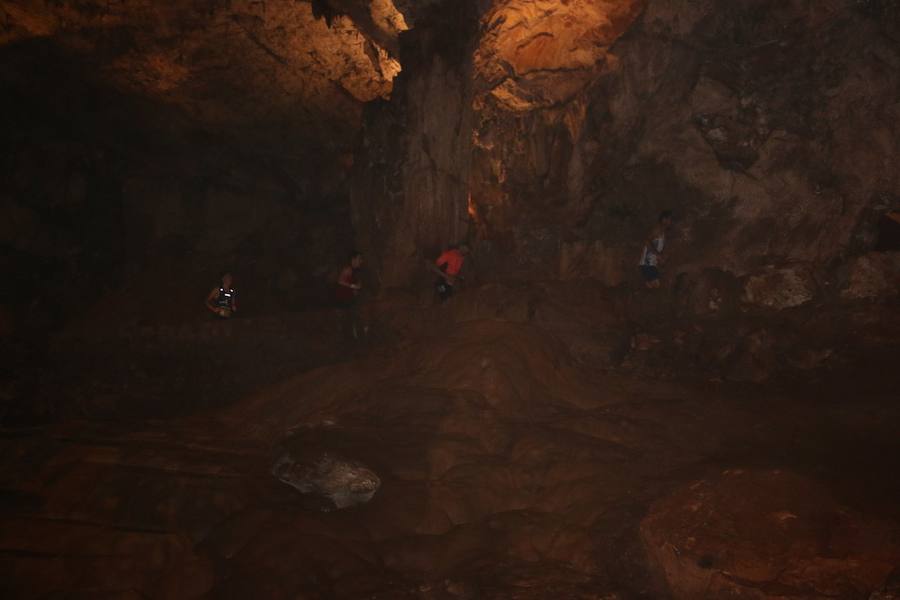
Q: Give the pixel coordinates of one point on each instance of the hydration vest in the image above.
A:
(650, 256)
(225, 299)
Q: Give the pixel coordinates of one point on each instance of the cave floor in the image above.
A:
(507, 469)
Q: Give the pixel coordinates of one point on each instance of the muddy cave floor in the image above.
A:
(518, 451)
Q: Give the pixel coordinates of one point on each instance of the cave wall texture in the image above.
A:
(770, 128)
(273, 136)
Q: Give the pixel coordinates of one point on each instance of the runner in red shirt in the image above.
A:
(447, 267)
(346, 295)
(348, 284)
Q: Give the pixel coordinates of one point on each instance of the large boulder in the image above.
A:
(765, 534)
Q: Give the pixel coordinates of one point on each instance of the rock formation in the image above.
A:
(750, 534)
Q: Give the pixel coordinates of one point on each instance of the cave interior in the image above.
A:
(668, 367)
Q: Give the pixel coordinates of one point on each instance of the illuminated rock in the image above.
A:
(538, 53)
(341, 482)
(230, 65)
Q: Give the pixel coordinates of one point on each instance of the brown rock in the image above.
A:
(874, 275)
(765, 534)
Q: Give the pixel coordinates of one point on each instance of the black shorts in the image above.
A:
(649, 273)
(346, 303)
(443, 289)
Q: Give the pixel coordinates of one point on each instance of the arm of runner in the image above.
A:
(437, 270)
(209, 299)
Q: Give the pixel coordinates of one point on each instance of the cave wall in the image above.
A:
(411, 174)
(102, 190)
(273, 137)
(769, 128)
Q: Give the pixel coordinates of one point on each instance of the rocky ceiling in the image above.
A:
(285, 67)
(540, 53)
(306, 67)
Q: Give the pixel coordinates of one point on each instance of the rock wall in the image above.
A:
(100, 191)
(550, 133)
(768, 127)
(411, 175)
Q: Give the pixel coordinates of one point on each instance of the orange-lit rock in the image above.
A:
(242, 63)
(537, 53)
